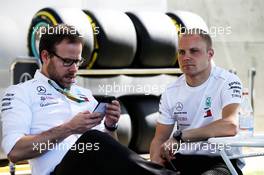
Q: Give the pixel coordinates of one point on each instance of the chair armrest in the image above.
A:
(238, 141)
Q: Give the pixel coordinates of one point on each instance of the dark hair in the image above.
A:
(53, 35)
(203, 34)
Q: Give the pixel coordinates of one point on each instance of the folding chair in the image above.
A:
(237, 141)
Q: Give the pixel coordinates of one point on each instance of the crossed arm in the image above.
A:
(227, 126)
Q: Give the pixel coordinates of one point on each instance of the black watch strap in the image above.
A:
(177, 135)
(111, 128)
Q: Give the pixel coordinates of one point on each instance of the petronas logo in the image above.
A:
(208, 102)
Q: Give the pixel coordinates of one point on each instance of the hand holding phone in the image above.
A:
(101, 106)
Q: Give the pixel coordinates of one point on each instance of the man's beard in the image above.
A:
(53, 75)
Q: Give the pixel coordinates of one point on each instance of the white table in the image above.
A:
(238, 141)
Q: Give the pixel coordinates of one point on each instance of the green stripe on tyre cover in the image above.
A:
(33, 39)
(47, 18)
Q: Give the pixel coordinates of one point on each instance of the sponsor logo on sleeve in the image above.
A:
(7, 102)
(235, 87)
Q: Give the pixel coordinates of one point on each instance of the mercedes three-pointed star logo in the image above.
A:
(179, 106)
(41, 89)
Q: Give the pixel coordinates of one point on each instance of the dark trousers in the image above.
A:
(105, 156)
(204, 165)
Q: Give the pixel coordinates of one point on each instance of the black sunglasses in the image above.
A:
(67, 62)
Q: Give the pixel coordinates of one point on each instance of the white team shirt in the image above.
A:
(35, 106)
(195, 107)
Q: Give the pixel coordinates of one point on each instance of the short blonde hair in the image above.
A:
(203, 34)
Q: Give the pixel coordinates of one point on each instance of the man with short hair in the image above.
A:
(50, 120)
(203, 102)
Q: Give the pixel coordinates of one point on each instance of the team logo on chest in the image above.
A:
(41, 89)
(180, 115)
(207, 109)
(179, 106)
(47, 101)
(178, 109)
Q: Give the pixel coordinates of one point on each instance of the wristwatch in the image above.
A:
(177, 135)
(111, 128)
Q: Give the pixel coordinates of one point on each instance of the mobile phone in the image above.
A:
(101, 106)
(106, 99)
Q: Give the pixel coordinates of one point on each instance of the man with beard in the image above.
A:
(50, 121)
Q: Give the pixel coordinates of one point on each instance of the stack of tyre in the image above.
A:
(115, 40)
